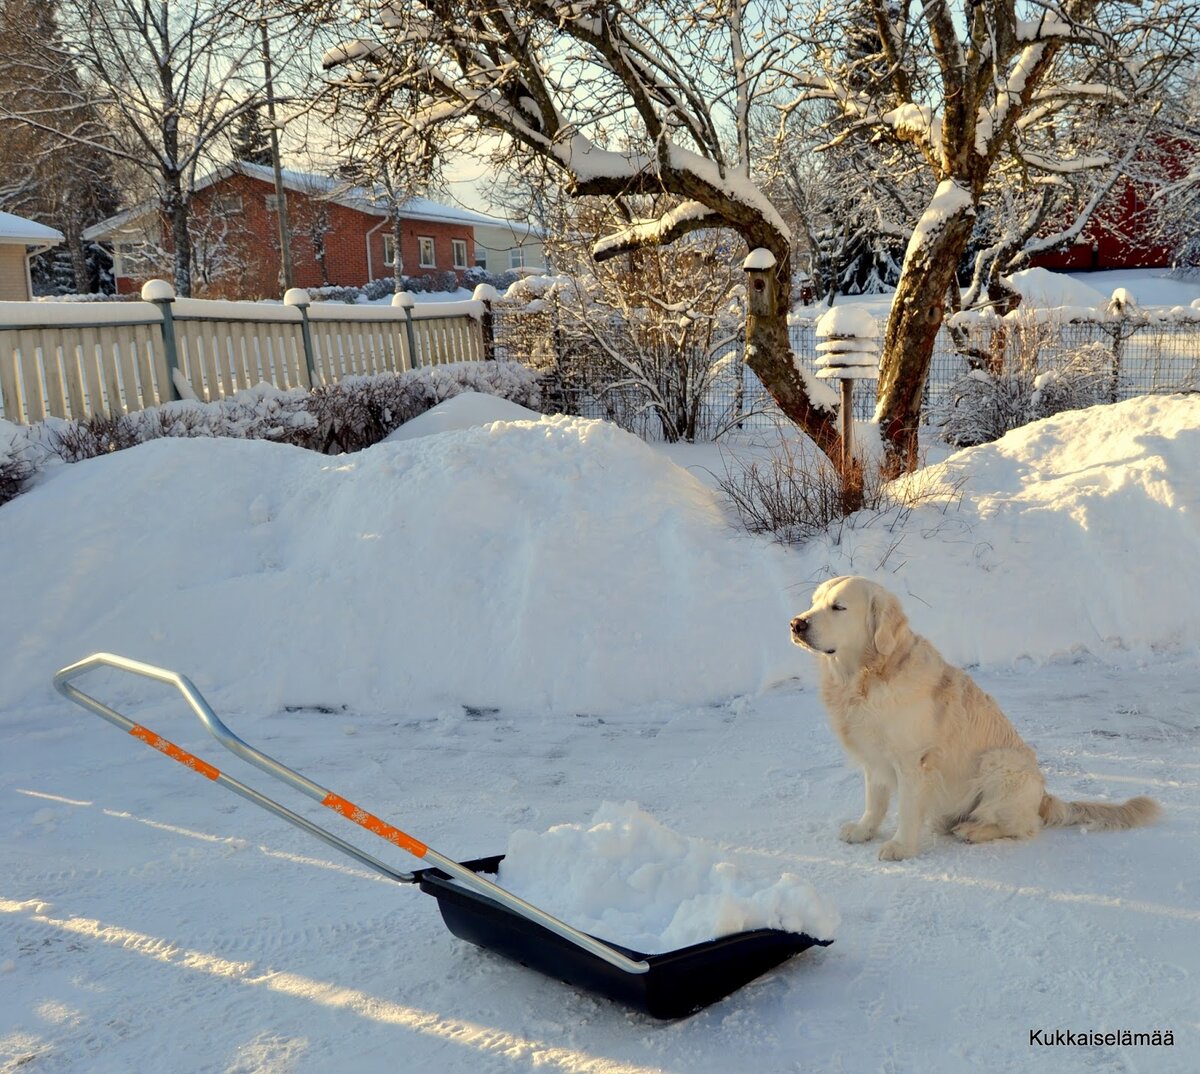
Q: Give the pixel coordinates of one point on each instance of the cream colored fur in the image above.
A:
(923, 730)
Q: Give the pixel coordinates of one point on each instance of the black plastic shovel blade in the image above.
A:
(678, 983)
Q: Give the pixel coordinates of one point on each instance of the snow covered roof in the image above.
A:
(17, 230)
(372, 201)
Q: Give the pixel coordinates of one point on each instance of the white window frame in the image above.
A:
(389, 250)
(457, 247)
(516, 257)
(421, 241)
(480, 257)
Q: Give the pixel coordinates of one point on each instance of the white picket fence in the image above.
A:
(73, 360)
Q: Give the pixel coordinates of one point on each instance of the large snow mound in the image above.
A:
(552, 565)
(1081, 531)
(633, 881)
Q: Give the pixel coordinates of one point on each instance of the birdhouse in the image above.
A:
(760, 281)
(847, 344)
(847, 350)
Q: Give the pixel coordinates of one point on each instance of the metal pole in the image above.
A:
(285, 235)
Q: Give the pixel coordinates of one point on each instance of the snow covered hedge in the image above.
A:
(348, 416)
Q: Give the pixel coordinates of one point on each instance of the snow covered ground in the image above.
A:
(500, 626)
(1044, 289)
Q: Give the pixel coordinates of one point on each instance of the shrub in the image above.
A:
(794, 493)
(381, 288)
(348, 416)
(986, 404)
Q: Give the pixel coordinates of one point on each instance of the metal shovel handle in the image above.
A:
(64, 685)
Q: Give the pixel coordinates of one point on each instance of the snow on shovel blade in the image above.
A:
(677, 984)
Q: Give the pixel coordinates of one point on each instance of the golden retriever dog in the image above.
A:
(922, 729)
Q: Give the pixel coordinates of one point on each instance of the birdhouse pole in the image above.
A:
(847, 350)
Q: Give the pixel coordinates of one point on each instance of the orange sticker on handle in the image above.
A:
(188, 760)
(373, 824)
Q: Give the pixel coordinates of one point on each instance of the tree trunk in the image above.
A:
(769, 354)
(912, 328)
(176, 209)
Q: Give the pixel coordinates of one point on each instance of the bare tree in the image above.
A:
(657, 97)
(44, 174)
(646, 103)
(170, 78)
(968, 88)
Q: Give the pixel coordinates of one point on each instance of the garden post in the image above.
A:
(162, 294)
(406, 302)
(298, 297)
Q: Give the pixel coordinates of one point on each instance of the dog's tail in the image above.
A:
(1098, 816)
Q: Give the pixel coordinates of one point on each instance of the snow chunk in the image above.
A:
(759, 260)
(157, 291)
(632, 881)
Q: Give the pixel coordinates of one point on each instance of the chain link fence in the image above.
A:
(1141, 353)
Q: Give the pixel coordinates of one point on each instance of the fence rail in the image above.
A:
(69, 360)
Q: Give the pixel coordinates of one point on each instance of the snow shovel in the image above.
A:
(667, 985)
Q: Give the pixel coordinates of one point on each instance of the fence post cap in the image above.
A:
(403, 298)
(157, 291)
(485, 292)
(296, 296)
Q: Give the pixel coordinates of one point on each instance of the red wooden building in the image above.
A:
(341, 235)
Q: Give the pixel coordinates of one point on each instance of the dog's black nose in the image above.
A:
(799, 625)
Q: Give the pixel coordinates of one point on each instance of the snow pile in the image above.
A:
(630, 880)
(1042, 288)
(1078, 532)
(555, 564)
(464, 411)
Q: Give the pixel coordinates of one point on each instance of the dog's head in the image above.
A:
(852, 621)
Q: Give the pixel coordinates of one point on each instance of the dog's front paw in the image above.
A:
(893, 850)
(855, 832)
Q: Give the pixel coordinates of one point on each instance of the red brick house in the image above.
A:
(341, 235)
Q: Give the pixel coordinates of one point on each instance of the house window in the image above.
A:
(516, 257)
(229, 204)
(389, 250)
(131, 260)
(459, 249)
(427, 253)
(480, 257)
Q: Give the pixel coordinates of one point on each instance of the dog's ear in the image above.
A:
(888, 622)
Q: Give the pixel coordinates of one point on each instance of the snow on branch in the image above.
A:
(660, 231)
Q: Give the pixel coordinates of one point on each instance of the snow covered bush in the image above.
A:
(1024, 386)
(334, 293)
(373, 290)
(633, 340)
(348, 416)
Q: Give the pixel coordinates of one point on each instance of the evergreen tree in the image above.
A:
(250, 140)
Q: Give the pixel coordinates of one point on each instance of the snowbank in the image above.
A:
(1077, 532)
(629, 879)
(556, 564)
